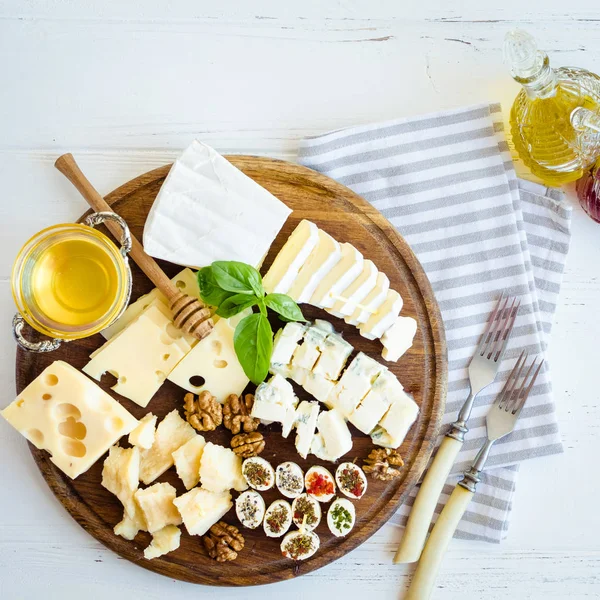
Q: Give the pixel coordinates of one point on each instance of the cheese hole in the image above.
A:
(51, 379)
(20, 402)
(64, 411)
(180, 284)
(216, 347)
(72, 429)
(170, 334)
(122, 379)
(197, 381)
(220, 364)
(73, 448)
(46, 396)
(161, 376)
(166, 356)
(114, 423)
(35, 436)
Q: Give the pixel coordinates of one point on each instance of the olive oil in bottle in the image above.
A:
(555, 119)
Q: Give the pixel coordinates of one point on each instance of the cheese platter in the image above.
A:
(349, 383)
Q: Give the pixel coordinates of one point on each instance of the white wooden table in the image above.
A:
(126, 85)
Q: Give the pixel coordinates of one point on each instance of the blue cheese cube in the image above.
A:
(355, 383)
(285, 343)
(375, 404)
(306, 424)
(306, 355)
(398, 338)
(317, 386)
(334, 354)
(335, 432)
(273, 399)
(396, 422)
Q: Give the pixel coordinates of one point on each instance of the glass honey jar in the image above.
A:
(70, 281)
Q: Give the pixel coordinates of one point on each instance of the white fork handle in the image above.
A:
(427, 569)
(422, 511)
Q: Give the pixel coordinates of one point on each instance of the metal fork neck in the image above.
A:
(459, 427)
(472, 476)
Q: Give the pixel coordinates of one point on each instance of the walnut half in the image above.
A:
(236, 414)
(203, 413)
(248, 444)
(378, 463)
(223, 542)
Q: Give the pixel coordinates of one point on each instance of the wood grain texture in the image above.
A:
(422, 371)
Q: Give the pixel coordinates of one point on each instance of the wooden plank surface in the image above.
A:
(254, 78)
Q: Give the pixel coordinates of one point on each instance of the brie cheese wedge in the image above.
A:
(348, 268)
(398, 338)
(320, 262)
(386, 315)
(208, 210)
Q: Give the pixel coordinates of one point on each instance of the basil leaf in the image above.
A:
(253, 343)
(236, 304)
(210, 292)
(284, 306)
(237, 277)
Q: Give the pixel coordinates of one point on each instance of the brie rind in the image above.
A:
(209, 210)
(386, 315)
(356, 292)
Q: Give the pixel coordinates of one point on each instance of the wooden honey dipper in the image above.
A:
(189, 314)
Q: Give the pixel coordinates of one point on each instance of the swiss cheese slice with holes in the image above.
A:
(186, 281)
(141, 356)
(212, 365)
(67, 414)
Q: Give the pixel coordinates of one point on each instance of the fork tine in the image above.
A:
(484, 337)
(498, 330)
(510, 406)
(510, 321)
(511, 381)
(524, 395)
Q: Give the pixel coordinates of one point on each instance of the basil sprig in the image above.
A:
(232, 287)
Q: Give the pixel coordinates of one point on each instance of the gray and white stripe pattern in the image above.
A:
(447, 183)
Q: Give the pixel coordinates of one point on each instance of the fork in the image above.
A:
(500, 421)
(482, 372)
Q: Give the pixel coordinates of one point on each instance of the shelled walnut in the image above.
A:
(223, 542)
(203, 413)
(378, 464)
(248, 444)
(236, 414)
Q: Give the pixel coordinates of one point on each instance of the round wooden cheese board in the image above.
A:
(422, 371)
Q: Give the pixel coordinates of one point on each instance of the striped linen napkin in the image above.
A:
(446, 181)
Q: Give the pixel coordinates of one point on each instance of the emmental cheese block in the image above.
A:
(141, 356)
(209, 210)
(348, 268)
(212, 365)
(67, 414)
(298, 247)
(319, 263)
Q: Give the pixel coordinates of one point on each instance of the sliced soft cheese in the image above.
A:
(334, 354)
(209, 210)
(356, 292)
(335, 432)
(386, 315)
(212, 365)
(396, 422)
(398, 338)
(348, 268)
(320, 262)
(306, 423)
(318, 386)
(291, 257)
(375, 298)
(64, 412)
(386, 388)
(355, 383)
